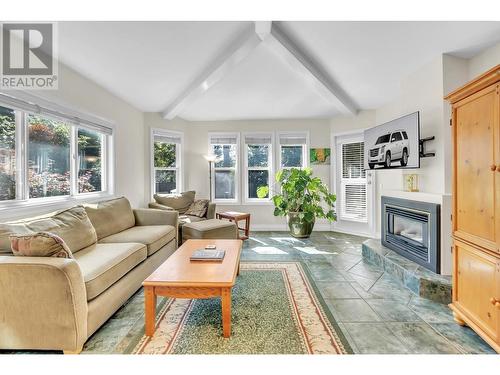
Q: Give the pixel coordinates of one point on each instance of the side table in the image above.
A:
(236, 217)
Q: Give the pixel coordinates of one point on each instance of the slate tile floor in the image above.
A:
(376, 314)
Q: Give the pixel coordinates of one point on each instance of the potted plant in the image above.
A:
(302, 198)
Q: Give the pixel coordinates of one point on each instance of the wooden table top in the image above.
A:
(179, 270)
(233, 215)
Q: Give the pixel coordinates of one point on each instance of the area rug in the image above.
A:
(275, 310)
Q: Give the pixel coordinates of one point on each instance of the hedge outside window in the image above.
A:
(7, 154)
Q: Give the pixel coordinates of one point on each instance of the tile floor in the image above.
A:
(376, 314)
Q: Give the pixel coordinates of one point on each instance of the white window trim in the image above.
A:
(305, 148)
(270, 168)
(76, 119)
(179, 155)
(236, 168)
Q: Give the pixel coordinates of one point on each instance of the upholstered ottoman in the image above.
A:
(212, 228)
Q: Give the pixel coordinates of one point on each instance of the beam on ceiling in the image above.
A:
(303, 64)
(219, 68)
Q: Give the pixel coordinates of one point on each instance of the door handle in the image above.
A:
(493, 167)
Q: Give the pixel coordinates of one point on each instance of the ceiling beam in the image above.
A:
(303, 64)
(215, 71)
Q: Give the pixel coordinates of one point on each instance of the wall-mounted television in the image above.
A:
(394, 144)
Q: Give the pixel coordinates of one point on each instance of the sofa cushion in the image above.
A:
(111, 216)
(198, 208)
(104, 264)
(72, 225)
(179, 202)
(39, 244)
(153, 236)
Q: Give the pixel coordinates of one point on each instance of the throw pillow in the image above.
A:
(179, 202)
(40, 244)
(198, 208)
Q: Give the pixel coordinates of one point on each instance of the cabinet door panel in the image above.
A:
(475, 121)
(477, 282)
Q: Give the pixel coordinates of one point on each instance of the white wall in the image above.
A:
(196, 167)
(484, 61)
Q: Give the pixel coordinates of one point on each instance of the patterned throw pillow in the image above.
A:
(40, 244)
(198, 208)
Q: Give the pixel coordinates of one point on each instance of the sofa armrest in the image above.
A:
(149, 216)
(43, 304)
(211, 211)
(158, 206)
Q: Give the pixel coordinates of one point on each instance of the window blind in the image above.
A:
(293, 139)
(223, 139)
(353, 183)
(59, 114)
(167, 138)
(258, 139)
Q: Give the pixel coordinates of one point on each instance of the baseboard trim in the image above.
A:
(284, 227)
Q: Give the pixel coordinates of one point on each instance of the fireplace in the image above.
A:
(412, 229)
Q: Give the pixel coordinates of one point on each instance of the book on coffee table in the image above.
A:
(207, 255)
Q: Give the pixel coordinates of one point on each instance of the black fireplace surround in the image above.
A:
(412, 229)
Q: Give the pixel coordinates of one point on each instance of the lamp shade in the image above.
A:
(212, 158)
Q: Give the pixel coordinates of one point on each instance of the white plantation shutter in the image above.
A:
(353, 183)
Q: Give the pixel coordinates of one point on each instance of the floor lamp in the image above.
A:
(211, 158)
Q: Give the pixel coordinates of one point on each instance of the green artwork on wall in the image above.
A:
(319, 156)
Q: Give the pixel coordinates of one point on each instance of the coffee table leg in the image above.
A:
(150, 305)
(226, 311)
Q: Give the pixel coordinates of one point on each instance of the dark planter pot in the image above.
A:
(298, 227)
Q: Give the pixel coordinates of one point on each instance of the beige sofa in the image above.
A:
(57, 304)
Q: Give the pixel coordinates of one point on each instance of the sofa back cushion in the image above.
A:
(111, 216)
(72, 225)
(179, 202)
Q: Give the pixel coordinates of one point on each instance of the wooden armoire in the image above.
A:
(476, 205)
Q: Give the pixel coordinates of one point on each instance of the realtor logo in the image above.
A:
(28, 56)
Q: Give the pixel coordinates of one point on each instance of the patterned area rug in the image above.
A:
(275, 310)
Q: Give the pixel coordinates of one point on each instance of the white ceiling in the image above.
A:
(151, 64)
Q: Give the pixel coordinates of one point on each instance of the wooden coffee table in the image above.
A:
(236, 217)
(179, 277)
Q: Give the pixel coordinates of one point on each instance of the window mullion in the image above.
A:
(73, 173)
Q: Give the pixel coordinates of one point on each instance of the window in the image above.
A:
(45, 153)
(167, 176)
(396, 137)
(90, 145)
(258, 164)
(225, 168)
(353, 183)
(293, 150)
(48, 157)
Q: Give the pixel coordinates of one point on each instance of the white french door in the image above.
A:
(354, 186)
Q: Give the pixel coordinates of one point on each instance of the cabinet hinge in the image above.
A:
(451, 122)
(451, 217)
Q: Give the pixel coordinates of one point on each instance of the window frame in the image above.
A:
(351, 181)
(269, 168)
(179, 159)
(23, 107)
(236, 168)
(305, 148)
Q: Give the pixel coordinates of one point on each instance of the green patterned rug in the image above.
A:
(275, 310)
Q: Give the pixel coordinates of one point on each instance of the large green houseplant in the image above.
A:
(302, 198)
